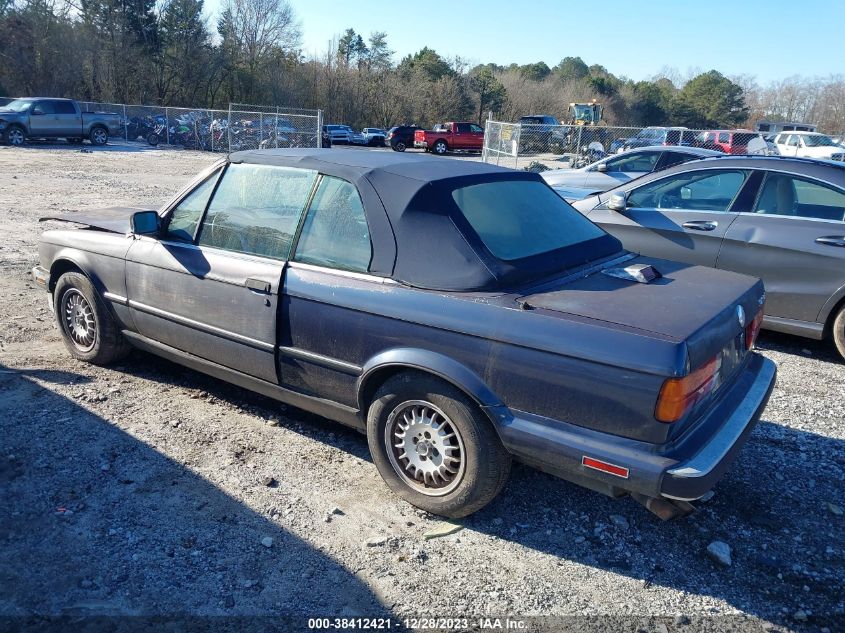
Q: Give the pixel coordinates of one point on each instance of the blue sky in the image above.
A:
(769, 39)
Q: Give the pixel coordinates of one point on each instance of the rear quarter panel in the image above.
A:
(568, 370)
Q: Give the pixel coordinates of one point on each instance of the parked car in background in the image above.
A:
(542, 133)
(357, 138)
(726, 141)
(375, 136)
(460, 314)
(42, 118)
(809, 145)
(401, 137)
(339, 133)
(781, 219)
(574, 184)
(455, 136)
(657, 135)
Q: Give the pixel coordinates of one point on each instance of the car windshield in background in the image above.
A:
(18, 105)
(516, 219)
(818, 140)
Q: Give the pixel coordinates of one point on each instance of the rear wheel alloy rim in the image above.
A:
(425, 448)
(15, 137)
(99, 136)
(78, 320)
(440, 148)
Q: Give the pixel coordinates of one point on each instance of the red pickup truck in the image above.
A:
(454, 136)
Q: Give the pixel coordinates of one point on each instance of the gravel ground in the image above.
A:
(147, 489)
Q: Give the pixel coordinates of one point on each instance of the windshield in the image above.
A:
(18, 105)
(516, 219)
(818, 140)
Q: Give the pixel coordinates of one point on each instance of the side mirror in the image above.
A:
(617, 202)
(602, 167)
(145, 223)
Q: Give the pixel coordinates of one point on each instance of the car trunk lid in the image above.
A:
(696, 306)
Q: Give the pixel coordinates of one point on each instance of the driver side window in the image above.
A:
(256, 209)
(710, 190)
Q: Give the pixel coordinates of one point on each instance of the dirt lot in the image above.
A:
(147, 489)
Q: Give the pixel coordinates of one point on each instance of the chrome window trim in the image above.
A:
(340, 272)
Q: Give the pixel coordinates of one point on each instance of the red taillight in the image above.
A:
(753, 329)
(679, 395)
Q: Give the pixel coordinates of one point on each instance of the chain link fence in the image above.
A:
(537, 147)
(238, 127)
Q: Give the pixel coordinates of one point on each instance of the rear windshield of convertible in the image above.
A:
(516, 219)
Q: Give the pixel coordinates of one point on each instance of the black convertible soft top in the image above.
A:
(419, 235)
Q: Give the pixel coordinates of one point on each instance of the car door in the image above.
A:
(789, 145)
(210, 284)
(682, 217)
(461, 136)
(794, 239)
(42, 119)
(477, 136)
(68, 121)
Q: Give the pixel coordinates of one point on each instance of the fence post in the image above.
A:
(319, 128)
(578, 146)
(260, 128)
(211, 127)
(276, 129)
(229, 128)
(167, 125)
(125, 124)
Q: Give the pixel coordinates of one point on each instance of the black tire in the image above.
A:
(15, 135)
(98, 135)
(399, 146)
(440, 147)
(106, 342)
(483, 463)
(838, 331)
(153, 139)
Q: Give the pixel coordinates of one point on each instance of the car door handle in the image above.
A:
(831, 240)
(700, 225)
(256, 285)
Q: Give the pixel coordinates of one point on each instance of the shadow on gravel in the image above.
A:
(821, 350)
(95, 522)
(771, 508)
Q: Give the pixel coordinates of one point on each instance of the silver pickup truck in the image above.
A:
(55, 118)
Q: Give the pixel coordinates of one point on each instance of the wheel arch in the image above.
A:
(387, 364)
(66, 262)
(830, 309)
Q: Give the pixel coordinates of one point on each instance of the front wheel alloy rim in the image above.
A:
(78, 320)
(15, 137)
(425, 448)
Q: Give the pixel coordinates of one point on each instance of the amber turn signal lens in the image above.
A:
(678, 395)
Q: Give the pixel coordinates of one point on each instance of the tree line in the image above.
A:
(168, 53)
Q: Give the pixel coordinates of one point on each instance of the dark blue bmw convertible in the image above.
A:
(461, 315)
